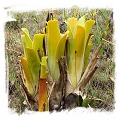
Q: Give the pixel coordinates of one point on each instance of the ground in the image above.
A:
(101, 85)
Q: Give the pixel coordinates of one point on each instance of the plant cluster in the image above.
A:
(60, 58)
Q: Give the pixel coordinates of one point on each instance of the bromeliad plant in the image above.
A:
(31, 61)
(41, 57)
(79, 47)
(34, 65)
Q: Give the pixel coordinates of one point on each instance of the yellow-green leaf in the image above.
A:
(24, 43)
(28, 76)
(53, 40)
(71, 39)
(72, 23)
(80, 22)
(44, 75)
(61, 46)
(28, 41)
(43, 71)
(87, 51)
(44, 61)
(33, 64)
(38, 44)
(88, 26)
(70, 34)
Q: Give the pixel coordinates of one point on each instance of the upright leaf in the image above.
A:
(87, 50)
(33, 64)
(71, 39)
(43, 70)
(27, 38)
(24, 43)
(53, 40)
(38, 44)
(28, 76)
(72, 23)
(61, 46)
(88, 26)
(80, 22)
